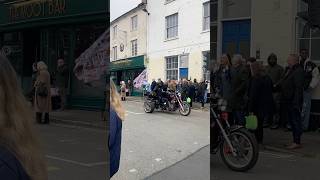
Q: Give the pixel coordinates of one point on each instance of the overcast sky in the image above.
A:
(119, 7)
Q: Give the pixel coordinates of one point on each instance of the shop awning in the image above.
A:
(129, 63)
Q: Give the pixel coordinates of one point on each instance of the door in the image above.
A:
(184, 73)
(236, 37)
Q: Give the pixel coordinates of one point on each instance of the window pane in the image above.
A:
(214, 11)
(304, 44)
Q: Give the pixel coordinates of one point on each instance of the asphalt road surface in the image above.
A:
(75, 153)
(271, 166)
(153, 142)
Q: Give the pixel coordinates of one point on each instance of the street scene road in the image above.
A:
(154, 142)
(74, 152)
(271, 165)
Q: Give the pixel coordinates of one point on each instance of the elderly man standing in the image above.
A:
(292, 92)
(239, 86)
(62, 77)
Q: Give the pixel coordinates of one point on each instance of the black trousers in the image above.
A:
(39, 118)
(259, 131)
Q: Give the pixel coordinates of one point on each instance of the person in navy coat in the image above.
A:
(116, 116)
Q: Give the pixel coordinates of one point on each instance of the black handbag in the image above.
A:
(42, 90)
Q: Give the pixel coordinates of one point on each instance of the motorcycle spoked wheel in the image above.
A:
(187, 109)
(149, 107)
(247, 151)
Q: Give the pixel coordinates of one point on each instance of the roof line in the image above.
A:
(141, 5)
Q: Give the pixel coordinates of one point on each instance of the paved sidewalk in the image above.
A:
(79, 118)
(275, 140)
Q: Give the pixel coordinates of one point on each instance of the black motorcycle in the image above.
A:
(238, 147)
(167, 101)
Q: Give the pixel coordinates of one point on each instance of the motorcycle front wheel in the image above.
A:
(186, 109)
(149, 106)
(247, 151)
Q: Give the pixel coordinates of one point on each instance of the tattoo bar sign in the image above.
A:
(36, 9)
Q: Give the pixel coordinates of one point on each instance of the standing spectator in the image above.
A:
(223, 77)
(62, 78)
(153, 84)
(184, 88)
(196, 85)
(130, 87)
(261, 101)
(201, 90)
(21, 157)
(172, 86)
(311, 75)
(206, 91)
(191, 92)
(117, 115)
(123, 89)
(292, 92)
(239, 84)
(33, 78)
(43, 95)
(275, 72)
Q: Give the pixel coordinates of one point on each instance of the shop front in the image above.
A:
(127, 69)
(42, 30)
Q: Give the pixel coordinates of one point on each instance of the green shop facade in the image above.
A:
(46, 30)
(127, 69)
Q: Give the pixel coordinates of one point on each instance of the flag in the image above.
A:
(140, 80)
(92, 63)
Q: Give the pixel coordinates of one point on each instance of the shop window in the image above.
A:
(172, 26)
(134, 23)
(236, 8)
(205, 67)
(134, 47)
(172, 67)
(214, 11)
(206, 16)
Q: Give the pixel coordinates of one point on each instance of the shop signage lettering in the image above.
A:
(122, 63)
(36, 8)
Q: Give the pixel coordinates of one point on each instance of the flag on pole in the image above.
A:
(140, 80)
(92, 63)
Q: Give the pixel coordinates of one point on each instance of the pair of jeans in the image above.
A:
(306, 107)
(294, 117)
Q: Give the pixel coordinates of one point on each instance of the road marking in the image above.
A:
(77, 162)
(282, 156)
(134, 113)
(132, 170)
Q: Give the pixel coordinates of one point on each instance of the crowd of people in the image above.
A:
(193, 90)
(280, 97)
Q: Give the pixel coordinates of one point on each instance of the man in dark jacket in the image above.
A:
(292, 92)
(62, 77)
(153, 84)
(275, 72)
(191, 92)
(239, 81)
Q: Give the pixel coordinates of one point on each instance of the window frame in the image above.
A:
(172, 27)
(134, 47)
(115, 53)
(174, 67)
(115, 31)
(206, 19)
(134, 28)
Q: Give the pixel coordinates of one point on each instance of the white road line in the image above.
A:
(134, 113)
(76, 162)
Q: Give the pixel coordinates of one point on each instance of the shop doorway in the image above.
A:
(236, 37)
(31, 54)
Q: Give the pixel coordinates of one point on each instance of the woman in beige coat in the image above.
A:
(42, 93)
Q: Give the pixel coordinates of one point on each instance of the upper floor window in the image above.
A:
(206, 16)
(115, 53)
(134, 47)
(134, 23)
(172, 26)
(115, 29)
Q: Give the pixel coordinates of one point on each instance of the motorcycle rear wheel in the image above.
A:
(252, 151)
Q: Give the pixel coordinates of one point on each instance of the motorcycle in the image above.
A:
(238, 147)
(171, 101)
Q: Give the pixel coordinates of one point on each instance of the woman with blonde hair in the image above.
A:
(117, 115)
(20, 155)
(123, 88)
(42, 93)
